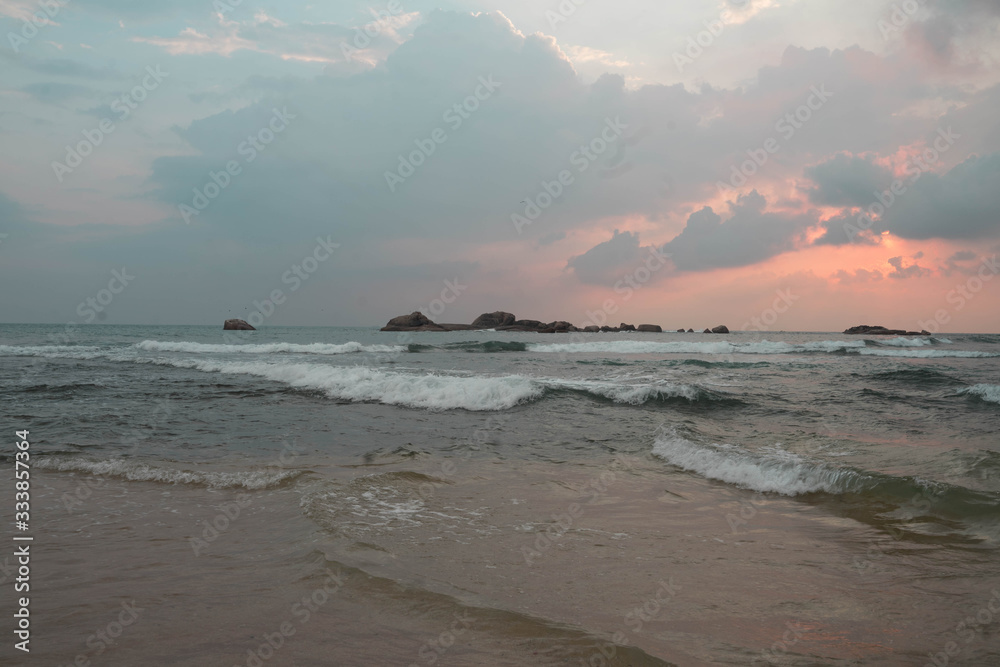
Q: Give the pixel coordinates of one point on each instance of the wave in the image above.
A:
(133, 471)
(678, 347)
(785, 473)
(363, 384)
(265, 348)
(900, 341)
(989, 393)
(639, 394)
(775, 472)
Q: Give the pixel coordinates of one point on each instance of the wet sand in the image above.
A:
(419, 560)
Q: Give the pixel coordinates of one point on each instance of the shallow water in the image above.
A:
(639, 499)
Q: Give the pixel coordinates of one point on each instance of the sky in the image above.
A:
(766, 164)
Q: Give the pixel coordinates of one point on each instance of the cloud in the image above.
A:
(900, 272)
(844, 228)
(749, 235)
(607, 262)
(964, 203)
(846, 180)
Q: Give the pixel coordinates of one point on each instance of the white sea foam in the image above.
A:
(988, 392)
(265, 348)
(633, 394)
(359, 383)
(773, 472)
(684, 347)
(141, 472)
(900, 341)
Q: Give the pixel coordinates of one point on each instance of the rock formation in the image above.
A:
(503, 321)
(237, 325)
(494, 320)
(415, 321)
(721, 329)
(864, 329)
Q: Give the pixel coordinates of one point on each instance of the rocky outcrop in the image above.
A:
(503, 321)
(237, 325)
(690, 331)
(867, 330)
(707, 331)
(494, 320)
(721, 329)
(415, 321)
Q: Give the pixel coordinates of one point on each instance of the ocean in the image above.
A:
(344, 496)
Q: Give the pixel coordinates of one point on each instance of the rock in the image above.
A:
(415, 321)
(626, 327)
(528, 324)
(680, 331)
(690, 330)
(707, 331)
(559, 325)
(868, 330)
(592, 328)
(237, 325)
(494, 320)
(722, 329)
(650, 328)
(607, 329)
